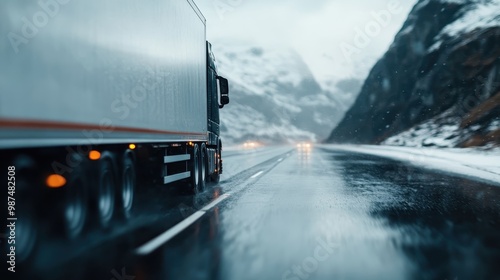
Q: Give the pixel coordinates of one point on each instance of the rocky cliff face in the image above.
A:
(437, 85)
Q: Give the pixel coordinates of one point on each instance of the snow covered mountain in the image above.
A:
(275, 98)
(437, 85)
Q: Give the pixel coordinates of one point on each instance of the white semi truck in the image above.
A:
(95, 95)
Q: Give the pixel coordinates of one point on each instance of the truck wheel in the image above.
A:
(27, 236)
(216, 176)
(203, 167)
(27, 226)
(75, 207)
(195, 170)
(106, 190)
(127, 187)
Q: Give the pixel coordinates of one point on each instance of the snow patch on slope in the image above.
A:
(443, 131)
(273, 67)
(468, 163)
(480, 14)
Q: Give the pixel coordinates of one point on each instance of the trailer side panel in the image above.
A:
(73, 70)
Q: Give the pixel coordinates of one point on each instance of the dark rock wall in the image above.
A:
(413, 82)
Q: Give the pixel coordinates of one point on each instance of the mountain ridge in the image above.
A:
(442, 66)
(275, 98)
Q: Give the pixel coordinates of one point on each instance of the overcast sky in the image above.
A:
(322, 31)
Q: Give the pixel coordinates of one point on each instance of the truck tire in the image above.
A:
(106, 190)
(27, 226)
(27, 236)
(203, 168)
(195, 170)
(126, 190)
(75, 202)
(216, 176)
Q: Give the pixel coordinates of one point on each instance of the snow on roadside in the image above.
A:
(469, 163)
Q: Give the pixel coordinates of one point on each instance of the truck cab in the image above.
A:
(217, 98)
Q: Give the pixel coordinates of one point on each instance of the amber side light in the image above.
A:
(55, 181)
(94, 155)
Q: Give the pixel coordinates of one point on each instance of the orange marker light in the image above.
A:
(132, 146)
(55, 181)
(94, 155)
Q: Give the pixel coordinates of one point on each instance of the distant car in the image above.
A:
(304, 146)
(251, 145)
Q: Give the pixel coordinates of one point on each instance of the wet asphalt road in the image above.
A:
(310, 214)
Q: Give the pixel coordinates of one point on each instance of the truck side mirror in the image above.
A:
(224, 91)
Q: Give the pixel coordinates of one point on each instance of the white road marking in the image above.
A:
(280, 160)
(257, 175)
(157, 242)
(214, 203)
(154, 244)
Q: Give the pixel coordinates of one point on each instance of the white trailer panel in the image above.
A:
(108, 71)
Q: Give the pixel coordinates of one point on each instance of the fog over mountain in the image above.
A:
(275, 98)
(289, 76)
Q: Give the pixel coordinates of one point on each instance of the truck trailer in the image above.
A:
(96, 96)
